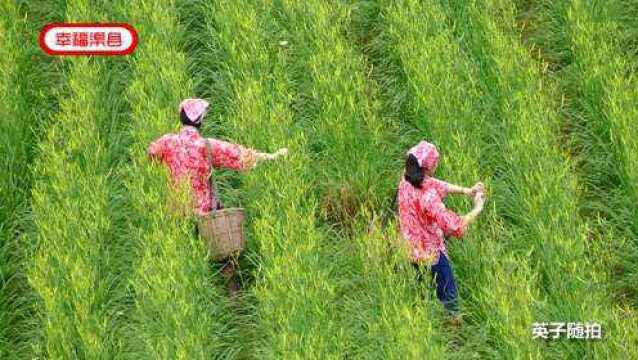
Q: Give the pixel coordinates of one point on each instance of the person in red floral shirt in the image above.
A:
(425, 221)
(185, 155)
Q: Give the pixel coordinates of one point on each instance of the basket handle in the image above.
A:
(211, 182)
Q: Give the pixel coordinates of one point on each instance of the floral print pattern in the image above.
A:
(194, 109)
(426, 154)
(185, 154)
(425, 221)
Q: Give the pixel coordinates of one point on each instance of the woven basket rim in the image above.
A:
(226, 210)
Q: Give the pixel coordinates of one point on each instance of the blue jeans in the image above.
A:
(445, 285)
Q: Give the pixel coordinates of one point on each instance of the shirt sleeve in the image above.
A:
(450, 222)
(442, 188)
(157, 148)
(232, 156)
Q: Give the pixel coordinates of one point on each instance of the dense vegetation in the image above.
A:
(539, 102)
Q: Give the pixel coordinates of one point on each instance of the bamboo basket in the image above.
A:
(223, 230)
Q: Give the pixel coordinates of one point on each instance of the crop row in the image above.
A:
(10, 145)
(177, 310)
(497, 291)
(538, 193)
(608, 88)
(362, 153)
(294, 287)
(73, 270)
(597, 74)
(28, 83)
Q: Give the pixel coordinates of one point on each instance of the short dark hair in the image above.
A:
(187, 121)
(413, 171)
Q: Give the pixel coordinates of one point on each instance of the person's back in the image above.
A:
(188, 149)
(424, 221)
(189, 156)
(185, 155)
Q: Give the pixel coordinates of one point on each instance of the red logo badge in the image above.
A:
(88, 39)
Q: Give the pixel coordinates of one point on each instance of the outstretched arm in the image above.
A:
(451, 223)
(456, 189)
(236, 157)
(272, 156)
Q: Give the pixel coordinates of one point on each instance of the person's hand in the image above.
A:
(478, 187)
(281, 152)
(479, 201)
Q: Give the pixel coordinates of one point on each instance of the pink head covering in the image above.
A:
(426, 154)
(194, 109)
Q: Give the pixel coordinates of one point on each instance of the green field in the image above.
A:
(536, 98)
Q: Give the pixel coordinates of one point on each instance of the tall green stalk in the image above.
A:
(28, 82)
(178, 310)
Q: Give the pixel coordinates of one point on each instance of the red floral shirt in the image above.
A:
(424, 219)
(185, 155)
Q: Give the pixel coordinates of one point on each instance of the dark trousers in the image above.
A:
(443, 276)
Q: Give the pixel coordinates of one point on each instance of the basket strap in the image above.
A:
(211, 182)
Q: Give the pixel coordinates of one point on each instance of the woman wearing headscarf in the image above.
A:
(425, 222)
(185, 155)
